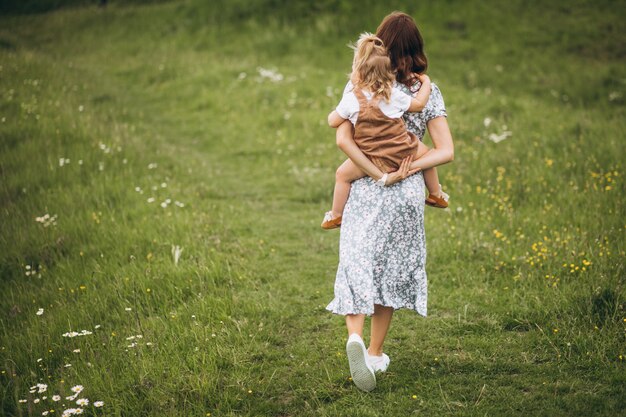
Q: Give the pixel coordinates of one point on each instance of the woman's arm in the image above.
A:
(443, 151)
(345, 142)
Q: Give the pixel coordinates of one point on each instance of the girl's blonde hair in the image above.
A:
(371, 67)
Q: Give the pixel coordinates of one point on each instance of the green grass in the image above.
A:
(526, 300)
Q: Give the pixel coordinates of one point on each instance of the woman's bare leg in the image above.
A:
(381, 319)
(345, 175)
(354, 323)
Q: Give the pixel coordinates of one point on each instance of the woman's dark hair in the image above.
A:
(404, 42)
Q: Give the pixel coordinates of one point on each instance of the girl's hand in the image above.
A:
(402, 172)
(424, 79)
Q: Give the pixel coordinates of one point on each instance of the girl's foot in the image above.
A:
(331, 222)
(361, 371)
(438, 200)
(379, 363)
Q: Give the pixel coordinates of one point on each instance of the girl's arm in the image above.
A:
(443, 151)
(334, 120)
(423, 94)
(345, 142)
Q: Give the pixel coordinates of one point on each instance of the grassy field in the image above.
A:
(164, 169)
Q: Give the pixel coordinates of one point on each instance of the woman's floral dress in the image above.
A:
(382, 247)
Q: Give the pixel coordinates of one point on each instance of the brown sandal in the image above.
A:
(329, 222)
(437, 202)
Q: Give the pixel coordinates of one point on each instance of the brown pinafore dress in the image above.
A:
(384, 140)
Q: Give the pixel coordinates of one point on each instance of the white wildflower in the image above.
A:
(98, 404)
(614, 95)
(152, 165)
(128, 309)
(176, 252)
(495, 138)
(39, 312)
(41, 388)
(76, 334)
(46, 220)
(77, 388)
(36, 400)
(242, 75)
(270, 74)
(487, 122)
(56, 398)
(82, 402)
(150, 200)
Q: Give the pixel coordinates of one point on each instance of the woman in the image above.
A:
(382, 251)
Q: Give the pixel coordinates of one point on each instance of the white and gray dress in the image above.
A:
(382, 247)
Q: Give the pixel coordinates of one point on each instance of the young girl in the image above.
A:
(375, 108)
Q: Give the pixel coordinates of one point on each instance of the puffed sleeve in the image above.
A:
(435, 106)
(349, 87)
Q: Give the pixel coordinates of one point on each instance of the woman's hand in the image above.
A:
(402, 172)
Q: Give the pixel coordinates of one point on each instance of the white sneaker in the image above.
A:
(361, 371)
(379, 363)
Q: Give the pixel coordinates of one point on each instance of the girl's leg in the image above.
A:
(381, 319)
(431, 178)
(345, 175)
(354, 323)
